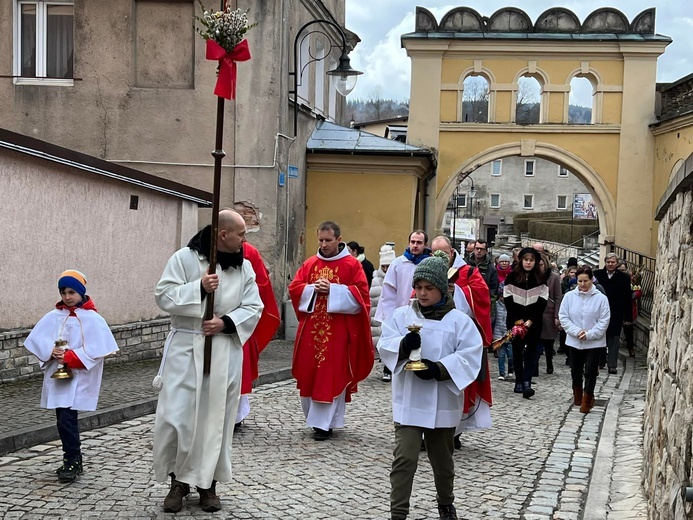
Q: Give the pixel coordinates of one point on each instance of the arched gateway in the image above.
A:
(613, 155)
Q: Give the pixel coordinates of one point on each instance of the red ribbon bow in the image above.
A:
(226, 80)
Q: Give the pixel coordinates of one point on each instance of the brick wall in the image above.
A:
(136, 341)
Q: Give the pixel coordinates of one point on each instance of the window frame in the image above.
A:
(534, 167)
(500, 167)
(558, 198)
(40, 43)
(490, 200)
(561, 169)
(523, 200)
(458, 200)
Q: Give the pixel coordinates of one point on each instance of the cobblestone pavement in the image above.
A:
(535, 464)
(123, 383)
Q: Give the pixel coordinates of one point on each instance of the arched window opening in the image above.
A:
(528, 103)
(580, 107)
(475, 100)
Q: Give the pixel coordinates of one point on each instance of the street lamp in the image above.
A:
(343, 77)
(472, 191)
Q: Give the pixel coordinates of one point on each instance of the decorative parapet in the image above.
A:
(681, 181)
(556, 20)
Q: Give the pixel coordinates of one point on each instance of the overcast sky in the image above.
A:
(380, 23)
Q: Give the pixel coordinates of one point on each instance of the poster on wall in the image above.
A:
(584, 206)
(465, 228)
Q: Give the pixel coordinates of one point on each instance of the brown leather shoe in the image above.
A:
(209, 501)
(174, 500)
(577, 395)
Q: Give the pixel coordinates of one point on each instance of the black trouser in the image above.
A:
(628, 332)
(547, 344)
(524, 359)
(68, 429)
(584, 362)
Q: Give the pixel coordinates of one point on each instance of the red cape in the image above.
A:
(475, 290)
(332, 351)
(268, 324)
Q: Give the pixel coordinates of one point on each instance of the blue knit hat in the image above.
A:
(74, 280)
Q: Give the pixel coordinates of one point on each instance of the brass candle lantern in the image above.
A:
(63, 371)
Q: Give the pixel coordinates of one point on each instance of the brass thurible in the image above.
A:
(63, 371)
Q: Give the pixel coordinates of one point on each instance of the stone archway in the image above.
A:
(529, 148)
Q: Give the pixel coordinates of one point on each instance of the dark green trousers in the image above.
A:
(439, 448)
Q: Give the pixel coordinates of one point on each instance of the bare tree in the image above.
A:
(377, 101)
(528, 102)
(475, 100)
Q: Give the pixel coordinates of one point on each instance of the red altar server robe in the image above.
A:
(268, 324)
(333, 350)
(475, 291)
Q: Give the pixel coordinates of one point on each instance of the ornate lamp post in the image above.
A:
(343, 77)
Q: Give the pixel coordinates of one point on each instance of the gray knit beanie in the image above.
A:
(435, 270)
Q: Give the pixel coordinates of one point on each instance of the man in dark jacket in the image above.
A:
(617, 288)
(483, 261)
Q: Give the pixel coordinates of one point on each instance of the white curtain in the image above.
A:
(59, 41)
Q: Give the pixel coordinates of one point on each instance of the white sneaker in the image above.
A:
(501, 377)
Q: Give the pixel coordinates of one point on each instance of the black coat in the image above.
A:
(526, 301)
(617, 289)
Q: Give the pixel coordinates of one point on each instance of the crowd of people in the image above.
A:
(432, 316)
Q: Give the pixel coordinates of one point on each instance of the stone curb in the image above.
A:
(599, 487)
(40, 434)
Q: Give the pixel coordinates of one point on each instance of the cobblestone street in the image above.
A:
(534, 464)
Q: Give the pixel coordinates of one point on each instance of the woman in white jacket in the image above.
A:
(584, 315)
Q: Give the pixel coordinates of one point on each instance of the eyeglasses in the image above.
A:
(480, 248)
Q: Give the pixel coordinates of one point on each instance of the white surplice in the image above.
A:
(195, 413)
(456, 343)
(89, 336)
(397, 287)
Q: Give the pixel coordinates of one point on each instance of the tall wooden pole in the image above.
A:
(218, 155)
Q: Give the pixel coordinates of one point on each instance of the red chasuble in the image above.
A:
(268, 324)
(333, 351)
(476, 292)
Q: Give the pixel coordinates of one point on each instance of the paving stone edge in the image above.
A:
(48, 432)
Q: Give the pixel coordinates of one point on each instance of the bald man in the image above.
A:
(195, 413)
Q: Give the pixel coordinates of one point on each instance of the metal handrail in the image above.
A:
(555, 253)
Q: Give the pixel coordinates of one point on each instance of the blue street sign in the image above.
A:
(293, 172)
(282, 176)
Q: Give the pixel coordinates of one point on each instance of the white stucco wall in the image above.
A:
(54, 217)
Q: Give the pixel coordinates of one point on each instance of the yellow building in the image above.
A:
(613, 155)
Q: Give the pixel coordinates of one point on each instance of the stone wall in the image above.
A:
(676, 98)
(668, 424)
(136, 341)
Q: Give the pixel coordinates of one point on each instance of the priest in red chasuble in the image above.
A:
(264, 332)
(333, 349)
(471, 297)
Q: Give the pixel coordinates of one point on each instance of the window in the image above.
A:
(462, 200)
(562, 202)
(528, 202)
(475, 100)
(320, 76)
(496, 167)
(495, 200)
(528, 101)
(44, 43)
(562, 172)
(529, 168)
